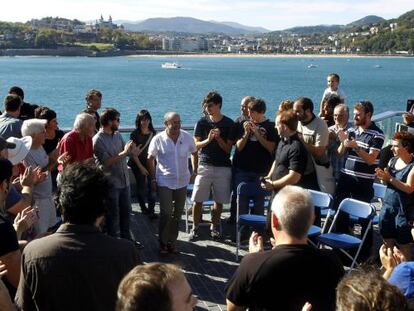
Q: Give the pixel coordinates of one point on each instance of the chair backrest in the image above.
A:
(321, 199)
(379, 190)
(251, 189)
(357, 208)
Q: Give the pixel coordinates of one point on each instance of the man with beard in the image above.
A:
(363, 144)
(110, 152)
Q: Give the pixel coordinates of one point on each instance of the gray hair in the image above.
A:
(294, 210)
(169, 115)
(342, 106)
(82, 120)
(33, 126)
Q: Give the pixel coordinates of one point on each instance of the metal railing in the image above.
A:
(386, 121)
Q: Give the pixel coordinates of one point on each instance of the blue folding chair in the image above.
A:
(324, 201)
(345, 242)
(249, 190)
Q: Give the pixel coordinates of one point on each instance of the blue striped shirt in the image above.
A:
(372, 138)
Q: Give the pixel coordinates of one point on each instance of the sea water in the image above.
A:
(133, 83)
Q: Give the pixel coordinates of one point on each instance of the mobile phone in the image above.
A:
(410, 104)
(262, 180)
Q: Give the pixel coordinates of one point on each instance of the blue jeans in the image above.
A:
(240, 176)
(119, 212)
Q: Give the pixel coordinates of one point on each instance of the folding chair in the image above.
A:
(324, 201)
(345, 242)
(249, 190)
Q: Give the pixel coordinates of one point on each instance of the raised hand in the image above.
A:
(28, 177)
(255, 243)
(64, 159)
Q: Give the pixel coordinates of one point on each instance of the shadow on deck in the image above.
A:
(207, 264)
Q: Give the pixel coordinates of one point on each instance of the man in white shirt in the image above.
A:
(170, 176)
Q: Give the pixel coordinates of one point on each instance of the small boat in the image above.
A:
(377, 66)
(312, 66)
(173, 65)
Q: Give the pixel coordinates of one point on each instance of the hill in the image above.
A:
(182, 24)
(367, 20)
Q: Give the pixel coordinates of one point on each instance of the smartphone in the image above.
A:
(410, 104)
(263, 180)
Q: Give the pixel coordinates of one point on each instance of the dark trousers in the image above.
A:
(144, 193)
(119, 212)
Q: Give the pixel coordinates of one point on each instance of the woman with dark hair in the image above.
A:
(53, 134)
(398, 208)
(142, 136)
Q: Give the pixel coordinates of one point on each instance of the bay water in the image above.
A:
(133, 83)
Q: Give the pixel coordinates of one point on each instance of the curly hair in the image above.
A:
(406, 139)
(367, 290)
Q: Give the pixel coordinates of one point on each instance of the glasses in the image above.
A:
(209, 105)
(118, 119)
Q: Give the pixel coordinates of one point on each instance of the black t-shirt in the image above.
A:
(291, 154)
(8, 244)
(51, 144)
(285, 278)
(140, 139)
(213, 154)
(254, 149)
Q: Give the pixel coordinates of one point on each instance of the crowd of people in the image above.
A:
(65, 204)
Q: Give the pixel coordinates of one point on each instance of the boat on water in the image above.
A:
(312, 66)
(377, 66)
(169, 65)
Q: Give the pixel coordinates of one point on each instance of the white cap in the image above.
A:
(23, 145)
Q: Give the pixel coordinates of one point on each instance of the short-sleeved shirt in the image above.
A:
(10, 126)
(13, 197)
(291, 154)
(38, 157)
(51, 144)
(254, 149)
(340, 93)
(285, 278)
(77, 149)
(172, 159)
(106, 146)
(213, 154)
(372, 138)
(315, 133)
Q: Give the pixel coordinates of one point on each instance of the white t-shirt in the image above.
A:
(338, 92)
(172, 159)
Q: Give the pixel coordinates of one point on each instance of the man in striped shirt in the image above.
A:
(363, 143)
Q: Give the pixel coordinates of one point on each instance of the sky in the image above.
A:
(273, 15)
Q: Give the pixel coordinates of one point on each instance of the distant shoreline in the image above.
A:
(82, 52)
(218, 55)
